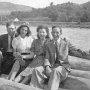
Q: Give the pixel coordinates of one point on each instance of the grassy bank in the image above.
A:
(61, 24)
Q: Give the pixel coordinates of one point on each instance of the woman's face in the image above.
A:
(42, 33)
(23, 31)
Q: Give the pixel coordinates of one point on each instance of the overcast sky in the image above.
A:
(42, 3)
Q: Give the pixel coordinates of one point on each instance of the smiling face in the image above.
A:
(56, 33)
(42, 33)
(11, 29)
(23, 31)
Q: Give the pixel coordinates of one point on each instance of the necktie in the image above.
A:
(11, 42)
(57, 50)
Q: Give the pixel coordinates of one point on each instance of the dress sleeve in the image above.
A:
(47, 57)
(33, 46)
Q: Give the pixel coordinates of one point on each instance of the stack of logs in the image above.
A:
(80, 67)
(78, 79)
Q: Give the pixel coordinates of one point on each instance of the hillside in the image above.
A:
(7, 7)
(65, 12)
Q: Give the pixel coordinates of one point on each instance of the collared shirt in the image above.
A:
(58, 45)
(59, 41)
(22, 45)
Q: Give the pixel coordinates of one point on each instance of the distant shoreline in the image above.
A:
(48, 23)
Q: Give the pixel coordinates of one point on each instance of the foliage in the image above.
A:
(66, 12)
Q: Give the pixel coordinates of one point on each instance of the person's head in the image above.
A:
(56, 32)
(11, 28)
(23, 31)
(42, 32)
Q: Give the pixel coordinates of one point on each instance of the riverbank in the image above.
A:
(48, 23)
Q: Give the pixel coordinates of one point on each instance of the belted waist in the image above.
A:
(28, 59)
(25, 53)
(42, 54)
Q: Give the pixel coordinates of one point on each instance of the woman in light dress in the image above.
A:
(38, 49)
(21, 50)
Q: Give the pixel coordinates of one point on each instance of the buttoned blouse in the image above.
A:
(22, 45)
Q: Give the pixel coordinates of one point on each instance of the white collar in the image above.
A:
(22, 38)
(10, 36)
(59, 40)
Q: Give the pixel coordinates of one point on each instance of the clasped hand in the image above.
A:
(19, 57)
(48, 70)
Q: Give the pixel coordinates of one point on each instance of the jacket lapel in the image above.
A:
(6, 40)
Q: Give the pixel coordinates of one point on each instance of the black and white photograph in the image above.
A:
(44, 45)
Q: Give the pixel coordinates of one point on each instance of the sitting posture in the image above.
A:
(6, 54)
(38, 50)
(21, 50)
(56, 65)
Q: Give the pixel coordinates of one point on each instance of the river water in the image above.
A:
(79, 37)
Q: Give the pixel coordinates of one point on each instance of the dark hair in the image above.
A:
(8, 24)
(43, 27)
(57, 27)
(19, 28)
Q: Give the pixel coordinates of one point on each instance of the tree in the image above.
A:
(51, 4)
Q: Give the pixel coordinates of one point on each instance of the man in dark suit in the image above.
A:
(56, 64)
(6, 54)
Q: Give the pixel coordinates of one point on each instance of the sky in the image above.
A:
(42, 3)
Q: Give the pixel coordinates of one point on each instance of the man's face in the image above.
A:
(11, 30)
(56, 33)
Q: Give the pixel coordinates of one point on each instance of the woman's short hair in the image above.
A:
(28, 30)
(43, 27)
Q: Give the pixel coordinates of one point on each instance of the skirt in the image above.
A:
(35, 63)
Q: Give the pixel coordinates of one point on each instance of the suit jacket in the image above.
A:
(65, 49)
(4, 43)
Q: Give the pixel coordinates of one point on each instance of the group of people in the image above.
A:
(31, 60)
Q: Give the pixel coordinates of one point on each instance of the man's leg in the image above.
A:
(37, 79)
(57, 75)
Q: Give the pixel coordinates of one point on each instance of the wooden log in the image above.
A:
(79, 64)
(76, 83)
(71, 83)
(80, 73)
(10, 85)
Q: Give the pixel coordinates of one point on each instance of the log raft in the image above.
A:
(71, 83)
(79, 64)
(78, 79)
